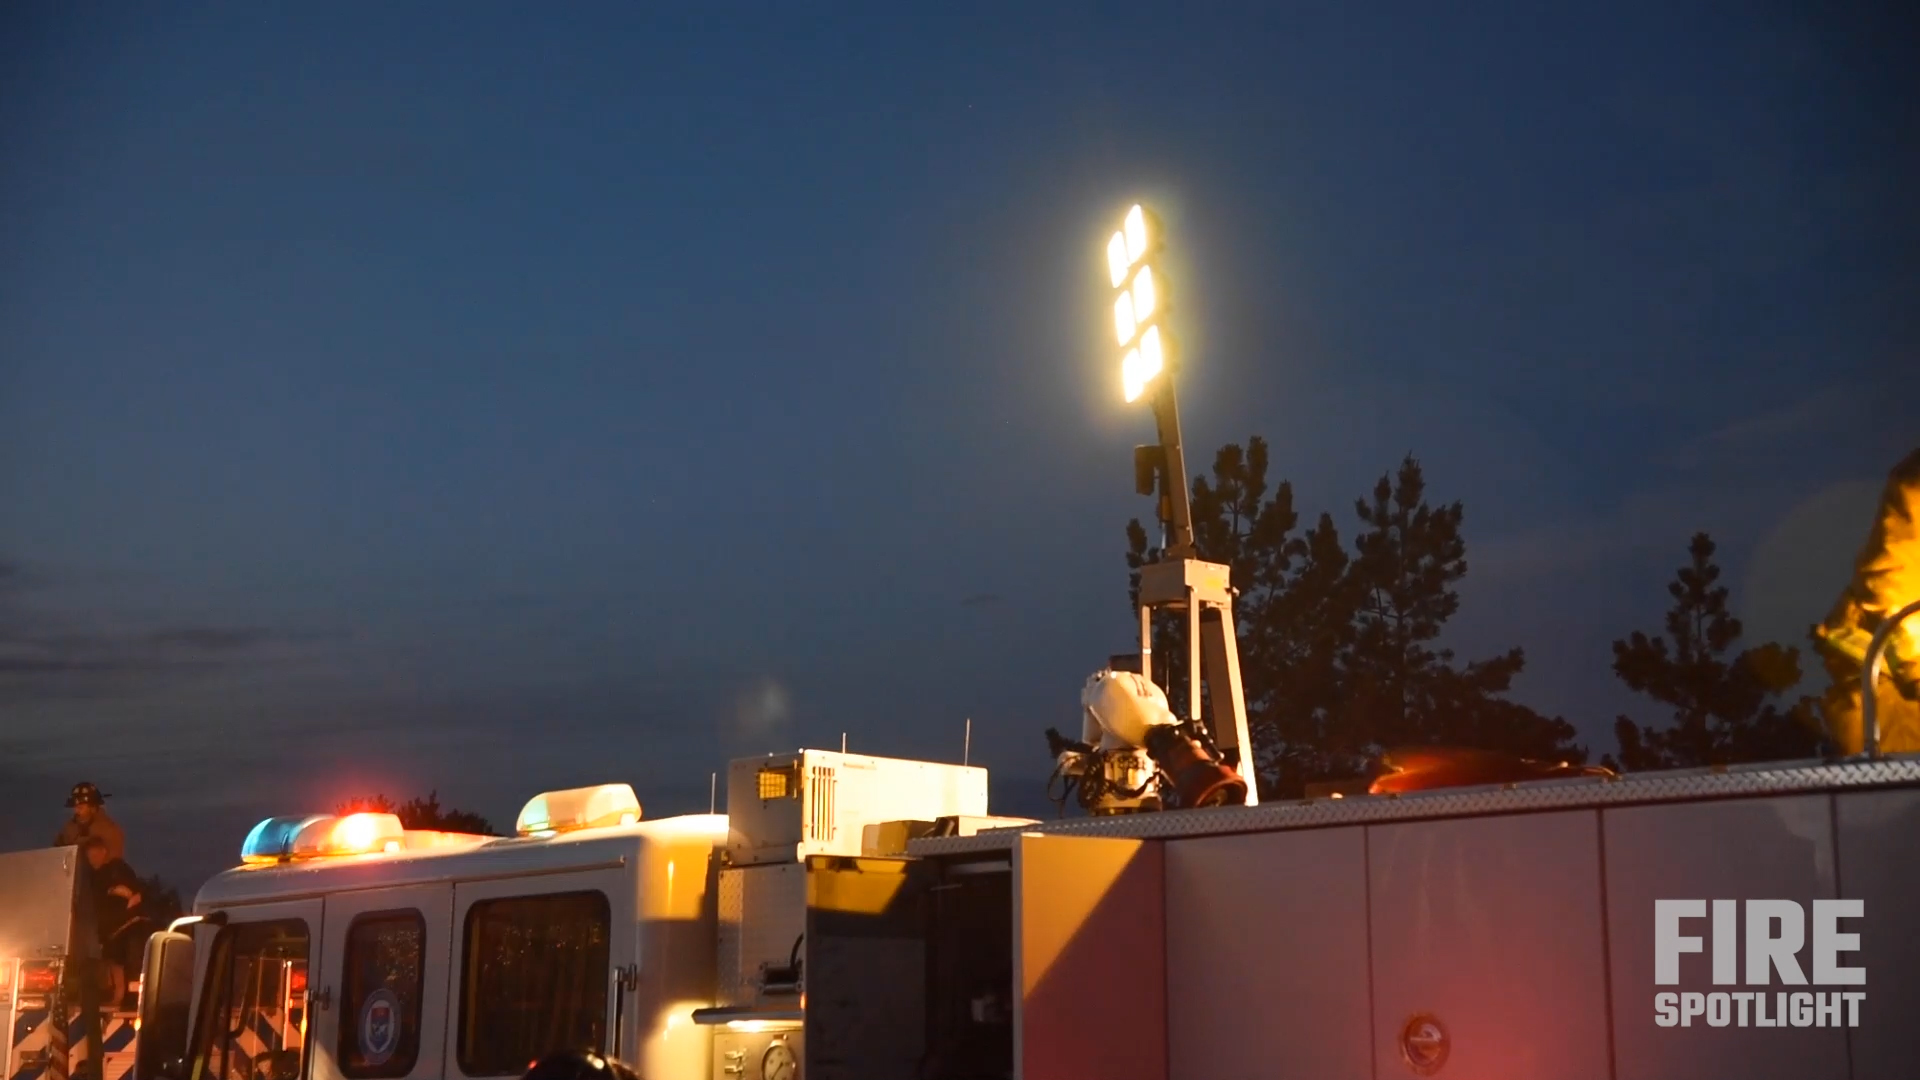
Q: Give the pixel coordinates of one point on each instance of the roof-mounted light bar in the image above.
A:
(309, 836)
(355, 834)
(272, 839)
(578, 808)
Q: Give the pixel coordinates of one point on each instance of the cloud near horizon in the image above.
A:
(49, 654)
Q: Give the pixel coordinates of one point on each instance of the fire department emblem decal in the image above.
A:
(1424, 1044)
(379, 1028)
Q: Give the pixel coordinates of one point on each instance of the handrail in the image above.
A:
(1870, 674)
(625, 978)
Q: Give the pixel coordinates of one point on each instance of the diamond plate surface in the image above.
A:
(732, 906)
(1733, 782)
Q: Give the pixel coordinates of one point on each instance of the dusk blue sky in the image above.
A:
(507, 397)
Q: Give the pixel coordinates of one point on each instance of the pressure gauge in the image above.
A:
(779, 1062)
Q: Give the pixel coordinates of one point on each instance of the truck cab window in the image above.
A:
(380, 1003)
(252, 1021)
(533, 980)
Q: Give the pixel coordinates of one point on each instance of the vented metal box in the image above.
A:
(785, 807)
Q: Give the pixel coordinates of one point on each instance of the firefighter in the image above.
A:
(121, 917)
(90, 819)
(1886, 578)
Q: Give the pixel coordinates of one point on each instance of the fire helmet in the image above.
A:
(85, 794)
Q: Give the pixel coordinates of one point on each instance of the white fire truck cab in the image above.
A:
(351, 948)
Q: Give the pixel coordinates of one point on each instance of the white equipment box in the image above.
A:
(785, 807)
(36, 902)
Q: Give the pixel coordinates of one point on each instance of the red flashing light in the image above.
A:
(38, 978)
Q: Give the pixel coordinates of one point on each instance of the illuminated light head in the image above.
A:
(578, 808)
(354, 834)
(272, 840)
(1136, 231)
(1145, 299)
(311, 836)
(1142, 365)
(1139, 304)
(1118, 263)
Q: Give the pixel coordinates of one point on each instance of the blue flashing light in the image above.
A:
(272, 839)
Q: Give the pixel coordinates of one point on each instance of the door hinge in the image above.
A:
(323, 1000)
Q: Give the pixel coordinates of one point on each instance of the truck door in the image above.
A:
(381, 1004)
(534, 960)
(250, 1016)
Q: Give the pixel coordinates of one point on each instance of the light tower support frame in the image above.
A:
(1203, 592)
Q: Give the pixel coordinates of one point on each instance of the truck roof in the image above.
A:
(454, 857)
(1680, 785)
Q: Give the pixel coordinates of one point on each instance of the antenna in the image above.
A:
(966, 748)
(713, 790)
(843, 742)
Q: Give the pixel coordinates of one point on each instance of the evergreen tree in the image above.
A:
(421, 812)
(1235, 523)
(1726, 706)
(1306, 638)
(159, 901)
(1338, 654)
(1406, 689)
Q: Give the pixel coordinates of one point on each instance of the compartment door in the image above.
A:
(381, 1008)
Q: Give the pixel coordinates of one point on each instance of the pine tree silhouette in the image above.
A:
(1724, 705)
(1338, 653)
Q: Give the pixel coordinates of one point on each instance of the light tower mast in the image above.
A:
(1180, 581)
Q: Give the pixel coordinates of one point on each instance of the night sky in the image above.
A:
(474, 397)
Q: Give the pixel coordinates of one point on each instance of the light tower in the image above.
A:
(1181, 581)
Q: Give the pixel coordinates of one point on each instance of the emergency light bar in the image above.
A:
(272, 839)
(578, 808)
(355, 834)
(306, 836)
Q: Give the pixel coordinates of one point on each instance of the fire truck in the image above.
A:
(1462, 915)
(55, 1025)
(854, 916)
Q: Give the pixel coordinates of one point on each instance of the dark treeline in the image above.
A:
(1340, 652)
(421, 812)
